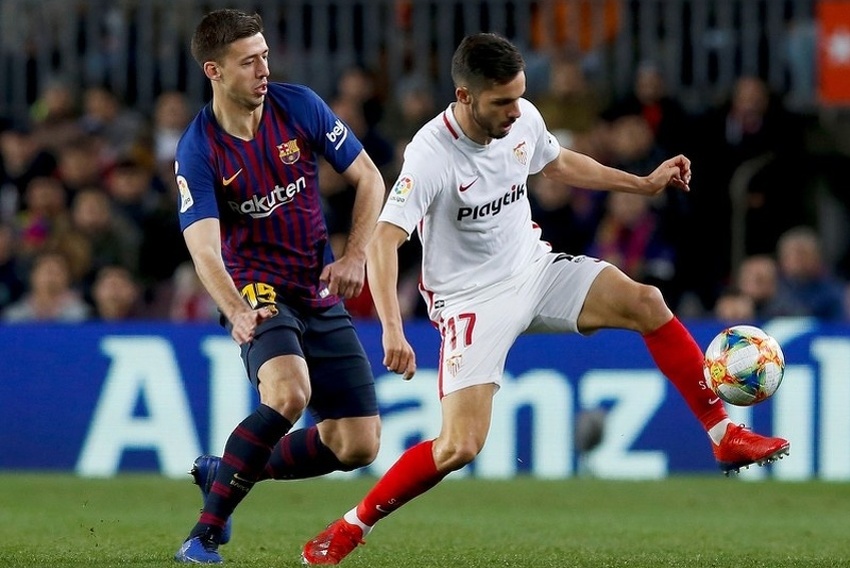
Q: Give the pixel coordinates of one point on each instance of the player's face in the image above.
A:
(494, 110)
(244, 71)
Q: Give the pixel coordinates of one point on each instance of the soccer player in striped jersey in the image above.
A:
(252, 219)
(487, 278)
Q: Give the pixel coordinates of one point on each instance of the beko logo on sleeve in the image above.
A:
(338, 135)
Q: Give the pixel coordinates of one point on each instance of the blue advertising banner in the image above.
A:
(99, 399)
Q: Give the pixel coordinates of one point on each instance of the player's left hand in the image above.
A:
(344, 277)
(676, 172)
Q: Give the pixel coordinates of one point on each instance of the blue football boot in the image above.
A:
(198, 550)
(203, 472)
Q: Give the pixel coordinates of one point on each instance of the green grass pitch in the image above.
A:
(52, 520)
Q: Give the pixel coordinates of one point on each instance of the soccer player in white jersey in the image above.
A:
(488, 278)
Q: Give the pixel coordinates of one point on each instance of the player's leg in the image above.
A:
(466, 421)
(343, 405)
(331, 445)
(475, 342)
(616, 301)
(276, 366)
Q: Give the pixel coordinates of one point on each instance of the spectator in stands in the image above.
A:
(44, 217)
(105, 115)
(358, 85)
(804, 277)
(571, 106)
(55, 115)
(633, 148)
(81, 164)
(116, 295)
(628, 235)
(666, 116)
(190, 300)
(50, 296)
(21, 160)
(632, 144)
(754, 125)
(758, 279)
(412, 105)
(111, 238)
(751, 128)
(567, 216)
(55, 104)
(162, 248)
(734, 307)
(11, 283)
(171, 115)
(134, 188)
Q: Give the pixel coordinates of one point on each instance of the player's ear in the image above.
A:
(462, 94)
(212, 71)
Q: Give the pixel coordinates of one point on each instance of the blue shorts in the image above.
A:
(341, 378)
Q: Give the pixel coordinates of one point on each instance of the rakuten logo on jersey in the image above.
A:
(494, 207)
(260, 206)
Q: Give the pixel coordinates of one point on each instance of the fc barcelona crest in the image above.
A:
(289, 152)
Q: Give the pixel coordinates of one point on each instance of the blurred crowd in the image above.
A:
(89, 228)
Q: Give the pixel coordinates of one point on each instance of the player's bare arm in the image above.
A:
(382, 266)
(204, 244)
(345, 276)
(580, 170)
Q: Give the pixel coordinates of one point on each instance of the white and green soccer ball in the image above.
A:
(744, 365)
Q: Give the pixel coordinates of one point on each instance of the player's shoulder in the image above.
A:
(526, 104)
(196, 136)
(530, 111)
(432, 140)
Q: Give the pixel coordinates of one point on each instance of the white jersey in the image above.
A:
(470, 202)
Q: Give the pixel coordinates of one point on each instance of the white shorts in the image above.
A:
(479, 330)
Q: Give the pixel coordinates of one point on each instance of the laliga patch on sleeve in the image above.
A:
(186, 199)
(401, 189)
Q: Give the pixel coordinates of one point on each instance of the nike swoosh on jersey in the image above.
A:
(463, 187)
(228, 181)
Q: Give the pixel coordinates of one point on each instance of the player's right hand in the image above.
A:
(676, 172)
(245, 323)
(398, 355)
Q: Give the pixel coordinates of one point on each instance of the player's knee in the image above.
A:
(291, 405)
(453, 455)
(649, 309)
(358, 455)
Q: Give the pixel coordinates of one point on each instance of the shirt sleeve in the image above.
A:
(415, 189)
(336, 141)
(546, 147)
(195, 181)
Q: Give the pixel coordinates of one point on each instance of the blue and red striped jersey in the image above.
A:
(265, 192)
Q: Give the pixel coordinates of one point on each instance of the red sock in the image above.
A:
(412, 475)
(678, 356)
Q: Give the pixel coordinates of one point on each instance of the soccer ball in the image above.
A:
(743, 365)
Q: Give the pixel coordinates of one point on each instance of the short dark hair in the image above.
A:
(218, 29)
(485, 59)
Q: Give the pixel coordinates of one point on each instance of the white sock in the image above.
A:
(717, 431)
(352, 519)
